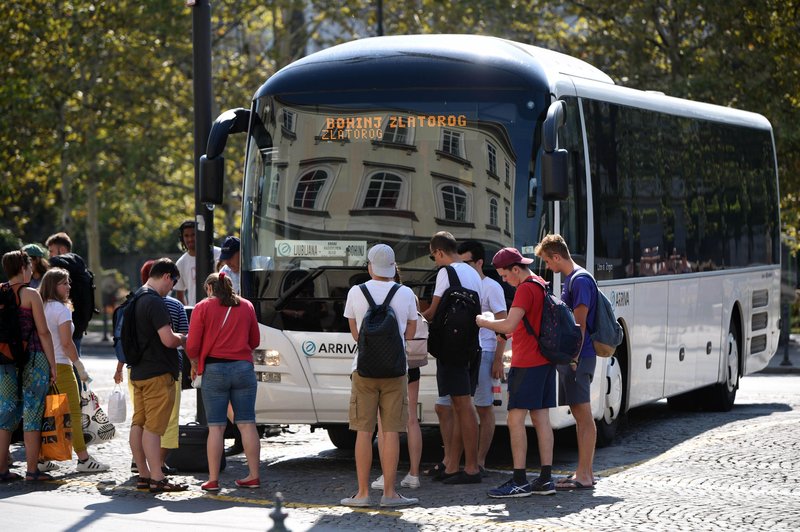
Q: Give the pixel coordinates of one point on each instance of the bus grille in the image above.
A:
(758, 343)
(760, 298)
(759, 321)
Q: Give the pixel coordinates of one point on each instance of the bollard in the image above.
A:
(278, 517)
(786, 361)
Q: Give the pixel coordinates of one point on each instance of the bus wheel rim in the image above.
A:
(613, 399)
(732, 365)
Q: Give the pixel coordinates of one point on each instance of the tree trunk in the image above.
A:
(93, 239)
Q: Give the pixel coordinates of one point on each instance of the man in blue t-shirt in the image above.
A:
(575, 381)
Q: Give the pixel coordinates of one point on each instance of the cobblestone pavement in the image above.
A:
(667, 471)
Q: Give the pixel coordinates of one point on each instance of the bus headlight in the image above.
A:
(266, 357)
(266, 376)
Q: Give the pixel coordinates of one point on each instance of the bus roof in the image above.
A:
(377, 63)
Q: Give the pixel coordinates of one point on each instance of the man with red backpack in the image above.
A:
(531, 379)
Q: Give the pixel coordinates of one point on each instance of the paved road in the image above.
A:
(667, 471)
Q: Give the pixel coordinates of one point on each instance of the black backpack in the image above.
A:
(13, 348)
(381, 350)
(81, 292)
(560, 339)
(126, 337)
(453, 333)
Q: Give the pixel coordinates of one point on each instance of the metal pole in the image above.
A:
(380, 18)
(204, 217)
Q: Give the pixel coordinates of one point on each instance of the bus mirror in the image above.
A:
(554, 160)
(554, 175)
(212, 176)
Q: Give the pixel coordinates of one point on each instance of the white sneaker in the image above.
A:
(378, 483)
(410, 481)
(90, 465)
(47, 465)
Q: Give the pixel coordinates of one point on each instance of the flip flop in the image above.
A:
(572, 484)
(572, 477)
(37, 476)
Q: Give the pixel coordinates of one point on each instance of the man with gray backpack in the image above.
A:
(579, 292)
(381, 314)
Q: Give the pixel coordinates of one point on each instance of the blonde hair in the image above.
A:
(48, 289)
(553, 244)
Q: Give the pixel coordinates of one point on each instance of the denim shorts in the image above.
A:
(233, 382)
(483, 392)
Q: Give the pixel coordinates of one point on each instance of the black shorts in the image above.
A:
(457, 380)
(532, 388)
(413, 375)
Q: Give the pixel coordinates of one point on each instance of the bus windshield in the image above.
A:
(327, 178)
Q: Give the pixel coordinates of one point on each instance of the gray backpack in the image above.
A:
(606, 332)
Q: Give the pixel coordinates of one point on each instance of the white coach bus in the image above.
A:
(671, 204)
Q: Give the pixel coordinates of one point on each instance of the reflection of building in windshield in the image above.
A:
(365, 176)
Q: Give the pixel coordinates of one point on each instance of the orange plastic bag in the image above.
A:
(56, 427)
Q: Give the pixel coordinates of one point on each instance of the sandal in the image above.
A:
(436, 470)
(36, 476)
(142, 483)
(9, 476)
(164, 486)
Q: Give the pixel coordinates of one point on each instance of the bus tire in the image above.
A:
(342, 437)
(721, 396)
(613, 402)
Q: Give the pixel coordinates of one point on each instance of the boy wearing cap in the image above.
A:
(531, 379)
(370, 394)
(39, 262)
(230, 256)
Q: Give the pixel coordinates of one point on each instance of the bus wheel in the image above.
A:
(341, 436)
(612, 403)
(721, 396)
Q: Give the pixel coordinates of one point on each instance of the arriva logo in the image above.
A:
(309, 348)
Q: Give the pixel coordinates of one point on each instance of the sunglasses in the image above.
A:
(174, 279)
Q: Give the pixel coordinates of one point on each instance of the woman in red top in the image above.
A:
(222, 335)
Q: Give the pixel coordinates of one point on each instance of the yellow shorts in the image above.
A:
(153, 399)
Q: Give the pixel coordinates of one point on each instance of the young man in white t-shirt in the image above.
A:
(371, 394)
(458, 382)
(186, 287)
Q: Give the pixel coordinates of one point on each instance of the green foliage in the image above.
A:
(97, 95)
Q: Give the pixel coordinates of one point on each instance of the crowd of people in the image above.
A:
(223, 333)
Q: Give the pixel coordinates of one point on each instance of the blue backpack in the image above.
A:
(560, 339)
(606, 332)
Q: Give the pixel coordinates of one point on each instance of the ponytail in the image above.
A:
(222, 288)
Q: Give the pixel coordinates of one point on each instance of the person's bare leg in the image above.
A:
(390, 455)
(363, 454)
(468, 420)
(137, 451)
(414, 435)
(485, 432)
(214, 445)
(252, 448)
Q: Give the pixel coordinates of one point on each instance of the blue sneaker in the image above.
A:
(543, 487)
(511, 489)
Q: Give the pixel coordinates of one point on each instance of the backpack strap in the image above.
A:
(386, 301)
(528, 326)
(453, 276)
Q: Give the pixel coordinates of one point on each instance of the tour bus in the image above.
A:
(671, 204)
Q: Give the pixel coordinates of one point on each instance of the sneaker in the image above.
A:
(395, 502)
(90, 465)
(543, 487)
(410, 481)
(47, 465)
(511, 489)
(377, 484)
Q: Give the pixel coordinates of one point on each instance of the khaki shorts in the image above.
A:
(368, 396)
(153, 399)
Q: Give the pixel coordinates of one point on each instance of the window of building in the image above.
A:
(454, 200)
(452, 143)
(308, 189)
(288, 120)
(396, 132)
(508, 173)
(508, 218)
(383, 191)
(274, 187)
(493, 212)
(492, 158)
